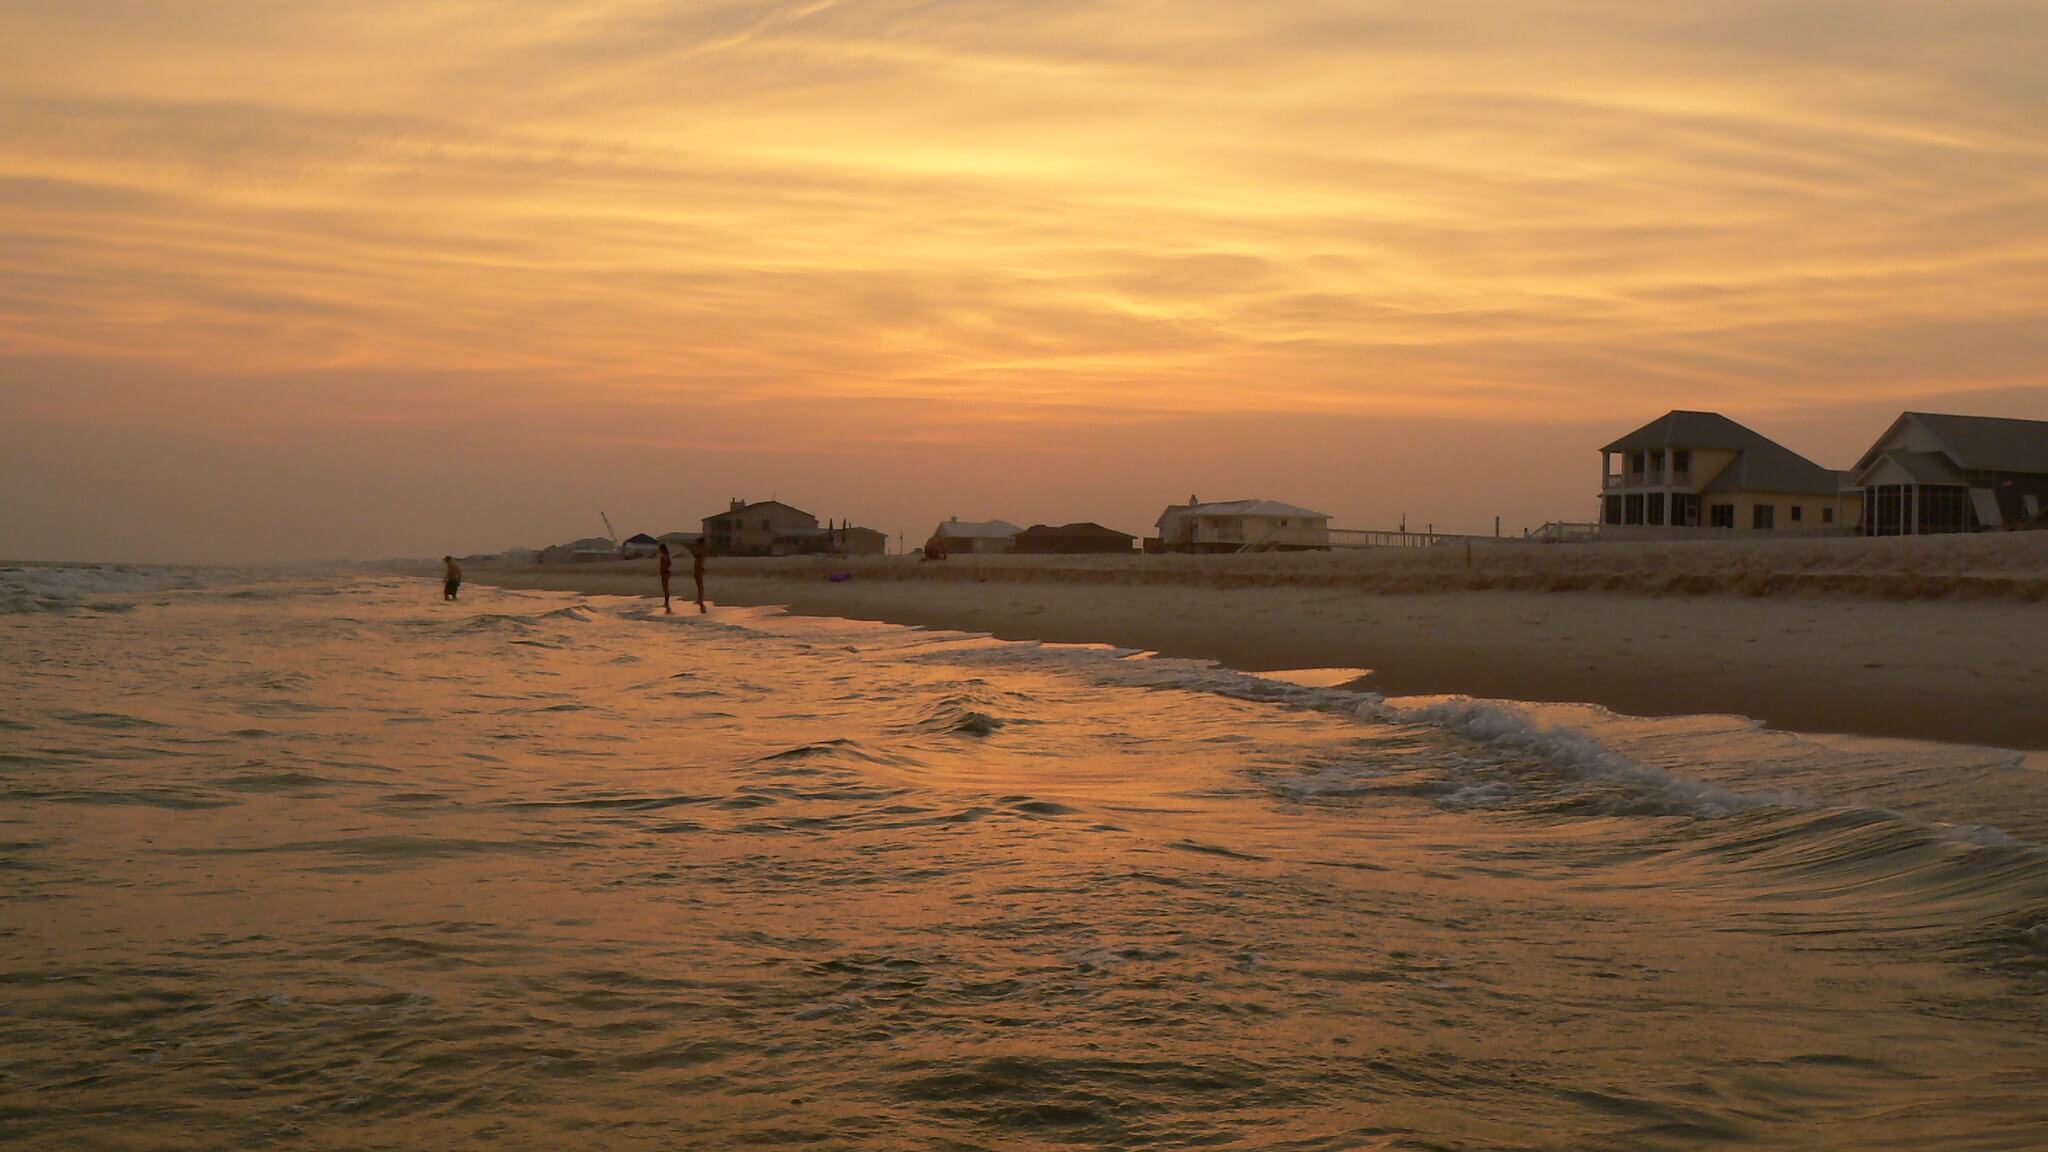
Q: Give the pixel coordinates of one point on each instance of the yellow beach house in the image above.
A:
(1701, 470)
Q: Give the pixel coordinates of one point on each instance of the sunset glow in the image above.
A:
(518, 223)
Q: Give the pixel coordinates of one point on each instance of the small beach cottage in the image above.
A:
(1241, 526)
(1931, 473)
(745, 529)
(976, 536)
(638, 546)
(1702, 470)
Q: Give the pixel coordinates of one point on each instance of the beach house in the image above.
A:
(745, 529)
(1071, 539)
(1931, 473)
(1241, 526)
(586, 550)
(679, 542)
(976, 536)
(1702, 470)
(638, 545)
(853, 541)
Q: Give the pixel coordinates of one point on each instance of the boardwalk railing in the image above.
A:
(1360, 538)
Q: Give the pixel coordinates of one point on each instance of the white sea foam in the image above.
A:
(1508, 742)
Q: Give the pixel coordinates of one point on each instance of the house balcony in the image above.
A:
(1647, 480)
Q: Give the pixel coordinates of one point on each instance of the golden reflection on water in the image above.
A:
(347, 868)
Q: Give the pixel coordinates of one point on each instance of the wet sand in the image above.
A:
(1920, 639)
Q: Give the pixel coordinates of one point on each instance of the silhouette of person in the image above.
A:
(451, 578)
(697, 571)
(666, 564)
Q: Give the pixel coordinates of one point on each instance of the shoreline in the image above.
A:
(1970, 671)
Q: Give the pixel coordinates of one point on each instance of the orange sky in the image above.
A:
(374, 278)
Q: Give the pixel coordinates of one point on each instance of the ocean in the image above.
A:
(298, 860)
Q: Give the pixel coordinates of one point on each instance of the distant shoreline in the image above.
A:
(1862, 637)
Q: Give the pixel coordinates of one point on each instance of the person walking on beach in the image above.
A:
(697, 571)
(451, 578)
(666, 564)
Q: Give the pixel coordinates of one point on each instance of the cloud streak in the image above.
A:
(1516, 209)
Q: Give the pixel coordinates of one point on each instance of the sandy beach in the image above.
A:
(1932, 638)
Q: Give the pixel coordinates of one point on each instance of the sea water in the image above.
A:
(298, 861)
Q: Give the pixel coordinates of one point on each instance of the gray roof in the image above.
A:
(1079, 528)
(1241, 508)
(1682, 429)
(756, 505)
(1927, 467)
(977, 529)
(1760, 465)
(588, 544)
(1988, 443)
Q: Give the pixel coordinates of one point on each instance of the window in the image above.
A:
(1632, 508)
(1827, 515)
(767, 525)
(1681, 460)
(1654, 506)
(1763, 517)
(1797, 512)
(1611, 511)
(1721, 516)
(1685, 510)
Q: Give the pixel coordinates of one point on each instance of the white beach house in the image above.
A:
(976, 536)
(1241, 525)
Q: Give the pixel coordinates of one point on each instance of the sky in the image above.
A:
(294, 281)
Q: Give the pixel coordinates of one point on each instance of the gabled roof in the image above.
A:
(977, 529)
(1976, 443)
(641, 538)
(1079, 528)
(1925, 467)
(1240, 508)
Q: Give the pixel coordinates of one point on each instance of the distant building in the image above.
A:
(962, 537)
(680, 541)
(768, 528)
(1241, 525)
(1932, 473)
(862, 541)
(639, 545)
(1703, 470)
(590, 548)
(1042, 539)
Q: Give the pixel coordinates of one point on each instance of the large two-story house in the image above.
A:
(764, 528)
(1703, 470)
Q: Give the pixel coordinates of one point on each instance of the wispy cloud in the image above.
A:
(1528, 207)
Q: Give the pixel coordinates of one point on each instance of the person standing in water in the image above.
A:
(697, 571)
(451, 578)
(666, 564)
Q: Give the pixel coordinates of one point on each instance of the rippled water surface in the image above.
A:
(326, 863)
